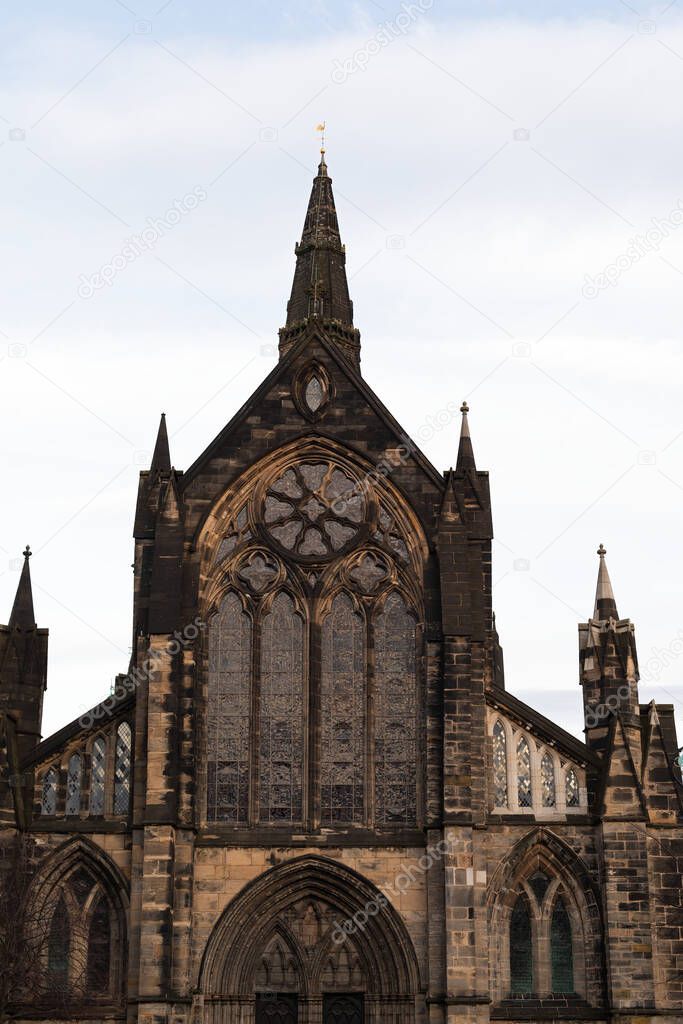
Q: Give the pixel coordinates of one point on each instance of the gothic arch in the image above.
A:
(265, 908)
(541, 851)
(311, 520)
(214, 525)
(80, 874)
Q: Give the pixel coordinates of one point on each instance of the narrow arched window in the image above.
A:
(395, 714)
(73, 785)
(571, 786)
(523, 773)
(48, 803)
(521, 958)
(58, 949)
(228, 712)
(561, 953)
(99, 948)
(500, 766)
(342, 715)
(122, 769)
(281, 746)
(97, 768)
(547, 781)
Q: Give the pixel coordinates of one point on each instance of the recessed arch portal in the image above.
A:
(309, 928)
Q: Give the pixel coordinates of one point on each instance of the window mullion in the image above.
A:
(312, 727)
(254, 731)
(370, 717)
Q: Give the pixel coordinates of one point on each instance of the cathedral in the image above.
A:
(311, 797)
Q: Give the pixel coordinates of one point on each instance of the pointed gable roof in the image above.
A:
(315, 334)
(620, 794)
(659, 783)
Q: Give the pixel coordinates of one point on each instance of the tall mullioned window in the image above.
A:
(312, 654)
(547, 781)
(48, 804)
(73, 785)
(395, 713)
(229, 712)
(561, 953)
(540, 939)
(281, 721)
(500, 766)
(58, 948)
(97, 775)
(123, 753)
(99, 947)
(521, 955)
(524, 795)
(342, 715)
(571, 789)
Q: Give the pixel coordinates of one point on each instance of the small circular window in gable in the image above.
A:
(312, 391)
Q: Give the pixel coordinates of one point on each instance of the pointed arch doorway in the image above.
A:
(309, 942)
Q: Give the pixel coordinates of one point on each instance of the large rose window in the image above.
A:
(314, 509)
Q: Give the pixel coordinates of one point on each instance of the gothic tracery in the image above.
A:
(326, 621)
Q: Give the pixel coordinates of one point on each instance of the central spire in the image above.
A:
(320, 292)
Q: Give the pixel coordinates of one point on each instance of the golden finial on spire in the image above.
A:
(321, 128)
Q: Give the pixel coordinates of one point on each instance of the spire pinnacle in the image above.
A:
(22, 615)
(605, 603)
(465, 449)
(161, 459)
(320, 291)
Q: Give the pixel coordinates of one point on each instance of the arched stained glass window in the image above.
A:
(73, 785)
(395, 714)
(561, 953)
(58, 949)
(571, 789)
(48, 804)
(97, 768)
(521, 958)
(122, 769)
(523, 773)
(99, 948)
(228, 712)
(281, 744)
(500, 766)
(547, 781)
(342, 714)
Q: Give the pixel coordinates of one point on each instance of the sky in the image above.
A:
(508, 188)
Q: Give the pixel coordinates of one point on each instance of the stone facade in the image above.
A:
(311, 797)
